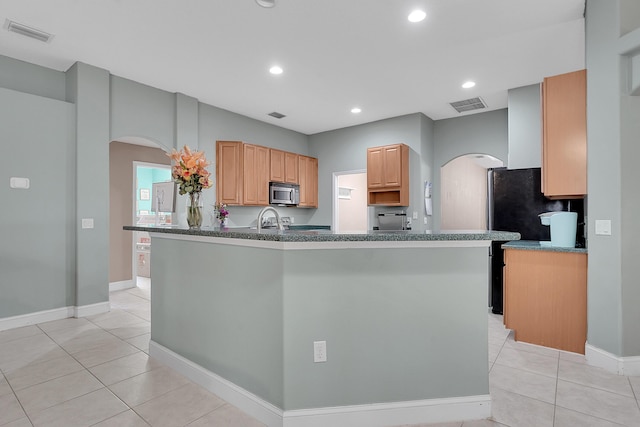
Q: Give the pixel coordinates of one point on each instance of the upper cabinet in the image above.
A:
(308, 176)
(256, 175)
(243, 173)
(229, 170)
(564, 147)
(283, 166)
(388, 175)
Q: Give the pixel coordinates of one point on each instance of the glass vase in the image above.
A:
(194, 211)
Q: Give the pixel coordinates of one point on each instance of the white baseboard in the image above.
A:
(393, 414)
(33, 318)
(91, 309)
(618, 365)
(237, 396)
(373, 415)
(54, 314)
(123, 284)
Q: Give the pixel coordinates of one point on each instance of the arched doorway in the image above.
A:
(463, 192)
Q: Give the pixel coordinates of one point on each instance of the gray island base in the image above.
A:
(404, 320)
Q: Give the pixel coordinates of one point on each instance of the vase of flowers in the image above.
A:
(190, 173)
(221, 214)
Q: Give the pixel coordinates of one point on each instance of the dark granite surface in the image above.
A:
(330, 236)
(531, 245)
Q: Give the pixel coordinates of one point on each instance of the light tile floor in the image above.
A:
(96, 371)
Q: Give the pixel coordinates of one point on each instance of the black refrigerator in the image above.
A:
(514, 202)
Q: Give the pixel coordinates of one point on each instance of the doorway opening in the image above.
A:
(147, 212)
(350, 210)
(463, 190)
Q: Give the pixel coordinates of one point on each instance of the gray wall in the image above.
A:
(259, 334)
(612, 129)
(345, 150)
(29, 78)
(525, 127)
(142, 111)
(484, 133)
(37, 248)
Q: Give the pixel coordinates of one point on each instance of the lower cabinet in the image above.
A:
(545, 298)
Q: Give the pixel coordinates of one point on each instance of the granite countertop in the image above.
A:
(330, 236)
(533, 245)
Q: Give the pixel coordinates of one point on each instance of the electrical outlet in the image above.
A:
(415, 215)
(87, 222)
(319, 351)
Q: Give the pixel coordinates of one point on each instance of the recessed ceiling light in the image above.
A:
(275, 70)
(266, 3)
(417, 16)
(468, 85)
(356, 110)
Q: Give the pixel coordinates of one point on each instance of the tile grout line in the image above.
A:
(17, 400)
(88, 371)
(555, 395)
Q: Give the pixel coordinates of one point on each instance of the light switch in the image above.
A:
(20, 183)
(87, 222)
(603, 227)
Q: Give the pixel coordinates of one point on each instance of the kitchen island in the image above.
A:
(403, 316)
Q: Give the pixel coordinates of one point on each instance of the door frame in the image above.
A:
(335, 218)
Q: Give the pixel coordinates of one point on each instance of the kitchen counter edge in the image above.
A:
(329, 236)
(532, 245)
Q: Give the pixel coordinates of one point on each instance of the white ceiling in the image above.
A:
(336, 54)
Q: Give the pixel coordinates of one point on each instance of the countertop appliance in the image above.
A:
(284, 194)
(514, 202)
(392, 221)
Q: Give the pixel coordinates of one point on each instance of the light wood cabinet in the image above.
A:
(283, 166)
(229, 172)
(256, 175)
(243, 173)
(545, 298)
(388, 175)
(308, 177)
(564, 147)
(291, 171)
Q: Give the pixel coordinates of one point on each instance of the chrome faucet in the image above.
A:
(261, 214)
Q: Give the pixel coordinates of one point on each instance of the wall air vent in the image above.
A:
(27, 31)
(276, 115)
(469, 105)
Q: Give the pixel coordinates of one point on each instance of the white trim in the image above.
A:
(91, 309)
(237, 396)
(358, 244)
(34, 318)
(54, 314)
(123, 284)
(396, 413)
(373, 415)
(618, 365)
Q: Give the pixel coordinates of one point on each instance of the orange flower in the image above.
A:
(189, 170)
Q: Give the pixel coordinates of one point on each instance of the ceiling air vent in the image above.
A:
(24, 30)
(276, 115)
(469, 105)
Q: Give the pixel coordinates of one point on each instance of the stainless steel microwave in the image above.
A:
(284, 194)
